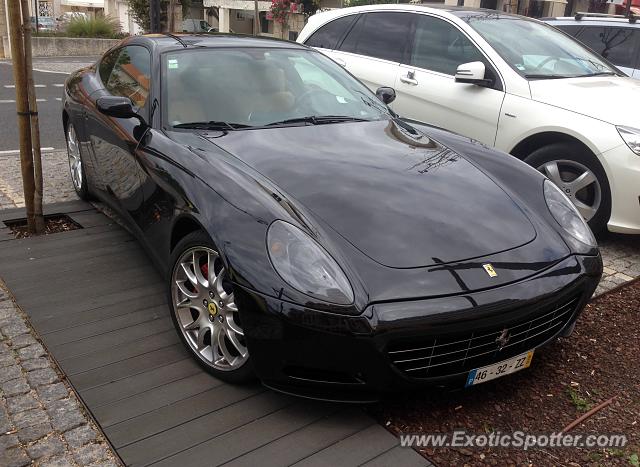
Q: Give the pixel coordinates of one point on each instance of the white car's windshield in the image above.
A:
(251, 87)
(536, 50)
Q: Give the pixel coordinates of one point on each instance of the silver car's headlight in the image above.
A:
(631, 136)
(566, 214)
(305, 265)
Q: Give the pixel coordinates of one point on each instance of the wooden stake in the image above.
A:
(22, 106)
(35, 126)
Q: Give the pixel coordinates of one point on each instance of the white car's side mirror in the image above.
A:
(472, 73)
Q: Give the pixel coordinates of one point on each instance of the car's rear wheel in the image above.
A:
(580, 176)
(76, 168)
(204, 310)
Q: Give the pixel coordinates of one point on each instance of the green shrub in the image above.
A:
(103, 27)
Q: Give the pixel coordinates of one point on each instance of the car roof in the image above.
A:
(442, 10)
(170, 42)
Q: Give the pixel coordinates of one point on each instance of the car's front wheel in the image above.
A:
(580, 176)
(204, 310)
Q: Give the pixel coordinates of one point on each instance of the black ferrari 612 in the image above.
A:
(311, 237)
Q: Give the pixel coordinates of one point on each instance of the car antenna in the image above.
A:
(173, 36)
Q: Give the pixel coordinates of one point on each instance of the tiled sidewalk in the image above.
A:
(41, 420)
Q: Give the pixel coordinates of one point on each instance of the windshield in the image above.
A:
(537, 50)
(251, 87)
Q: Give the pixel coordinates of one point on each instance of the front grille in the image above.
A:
(458, 353)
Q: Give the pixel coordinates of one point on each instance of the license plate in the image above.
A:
(505, 367)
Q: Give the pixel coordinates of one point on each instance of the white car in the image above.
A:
(507, 81)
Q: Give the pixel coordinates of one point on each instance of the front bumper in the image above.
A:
(623, 170)
(355, 358)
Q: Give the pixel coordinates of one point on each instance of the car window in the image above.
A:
(107, 63)
(327, 36)
(536, 50)
(380, 35)
(618, 45)
(281, 84)
(131, 74)
(440, 46)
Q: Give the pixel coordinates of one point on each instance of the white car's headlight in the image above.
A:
(631, 136)
(566, 214)
(306, 266)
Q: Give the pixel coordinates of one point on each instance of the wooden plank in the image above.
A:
(92, 295)
(58, 244)
(356, 449)
(65, 207)
(114, 323)
(312, 438)
(227, 416)
(123, 353)
(406, 457)
(154, 429)
(81, 278)
(152, 302)
(46, 318)
(125, 338)
(136, 384)
(82, 259)
(148, 401)
(126, 368)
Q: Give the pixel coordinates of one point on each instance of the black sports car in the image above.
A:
(311, 237)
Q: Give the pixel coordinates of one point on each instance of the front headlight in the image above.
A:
(305, 265)
(631, 136)
(566, 214)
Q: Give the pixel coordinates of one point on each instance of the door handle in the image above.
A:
(340, 62)
(410, 78)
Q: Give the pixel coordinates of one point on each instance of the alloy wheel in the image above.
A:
(75, 162)
(578, 182)
(206, 311)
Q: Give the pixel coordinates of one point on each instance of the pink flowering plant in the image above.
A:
(280, 10)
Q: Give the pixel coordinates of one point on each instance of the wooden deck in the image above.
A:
(99, 307)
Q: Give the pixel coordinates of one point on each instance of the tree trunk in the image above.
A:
(256, 19)
(35, 126)
(22, 106)
(171, 16)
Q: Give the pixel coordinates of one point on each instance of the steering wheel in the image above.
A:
(307, 94)
(545, 61)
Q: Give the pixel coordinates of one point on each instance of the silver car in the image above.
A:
(615, 38)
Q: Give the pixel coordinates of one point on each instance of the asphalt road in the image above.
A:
(49, 91)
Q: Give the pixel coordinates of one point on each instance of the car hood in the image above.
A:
(613, 99)
(404, 202)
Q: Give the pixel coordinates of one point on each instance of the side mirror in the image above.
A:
(386, 94)
(472, 73)
(116, 106)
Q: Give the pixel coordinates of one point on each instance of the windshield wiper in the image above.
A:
(318, 120)
(212, 125)
(598, 73)
(540, 76)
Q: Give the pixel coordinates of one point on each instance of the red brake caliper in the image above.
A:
(205, 270)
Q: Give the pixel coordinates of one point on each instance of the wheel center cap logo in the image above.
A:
(213, 309)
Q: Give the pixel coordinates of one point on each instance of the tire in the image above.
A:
(198, 281)
(579, 174)
(76, 167)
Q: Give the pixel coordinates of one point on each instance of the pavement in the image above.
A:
(41, 419)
